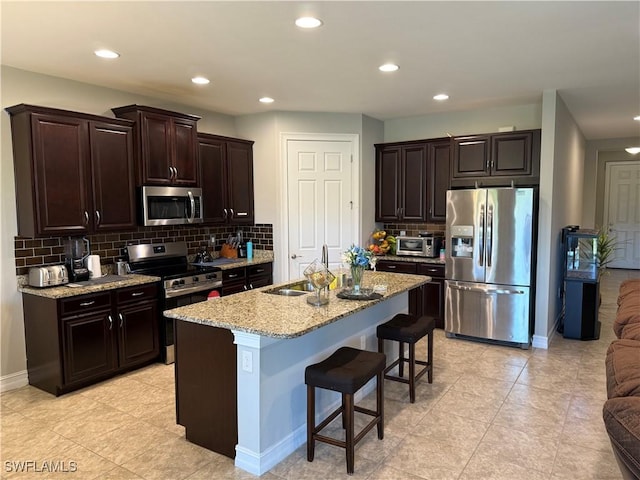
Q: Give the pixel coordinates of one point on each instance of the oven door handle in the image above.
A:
(188, 290)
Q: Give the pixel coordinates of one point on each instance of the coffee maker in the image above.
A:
(77, 250)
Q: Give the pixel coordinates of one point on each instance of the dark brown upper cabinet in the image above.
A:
(73, 172)
(166, 145)
(226, 173)
(412, 179)
(496, 159)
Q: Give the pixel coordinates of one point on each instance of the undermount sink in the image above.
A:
(300, 287)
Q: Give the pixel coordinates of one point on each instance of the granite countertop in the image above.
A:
(259, 256)
(107, 282)
(402, 258)
(279, 316)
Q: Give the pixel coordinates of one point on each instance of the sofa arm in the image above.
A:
(622, 421)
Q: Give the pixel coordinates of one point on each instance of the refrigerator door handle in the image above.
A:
(482, 225)
(489, 234)
(487, 291)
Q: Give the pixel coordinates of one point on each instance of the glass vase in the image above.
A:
(356, 275)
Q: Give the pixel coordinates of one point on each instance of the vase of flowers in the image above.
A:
(358, 260)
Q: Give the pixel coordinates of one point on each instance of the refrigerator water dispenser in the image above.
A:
(462, 241)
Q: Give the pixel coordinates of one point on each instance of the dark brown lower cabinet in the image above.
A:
(206, 386)
(241, 279)
(76, 341)
(427, 299)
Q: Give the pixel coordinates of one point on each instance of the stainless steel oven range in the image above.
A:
(183, 283)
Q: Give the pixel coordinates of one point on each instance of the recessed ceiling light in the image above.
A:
(633, 150)
(200, 80)
(266, 100)
(308, 22)
(388, 67)
(104, 53)
(637, 118)
(441, 96)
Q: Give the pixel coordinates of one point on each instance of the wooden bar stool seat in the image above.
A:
(408, 329)
(346, 371)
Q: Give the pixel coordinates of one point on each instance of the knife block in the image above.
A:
(228, 251)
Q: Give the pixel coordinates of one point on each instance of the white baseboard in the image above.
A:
(13, 381)
(538, 341)
(259, 463)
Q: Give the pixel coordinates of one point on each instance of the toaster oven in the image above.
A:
(427, 246)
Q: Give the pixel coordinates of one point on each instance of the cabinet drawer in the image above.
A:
(396, 267)
(233, 275)
(138, 293)
(433, 270)
(85, 303)
(262, 269)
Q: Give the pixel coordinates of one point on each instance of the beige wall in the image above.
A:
(561, 167)
(485, 120)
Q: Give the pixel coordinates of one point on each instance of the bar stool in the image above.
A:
(409, 329)
(346, 371)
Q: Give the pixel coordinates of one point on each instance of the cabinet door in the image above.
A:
(511, 154)
(438, 180)
(60, 175)
(113, 178)
(137, 333)
(88, 346)
(413, 185)
(240, 182)
(155, 133)
(185, 150)
(211, 158)
(471, 156)
(396, 267)
(387, 184)
(432, 300)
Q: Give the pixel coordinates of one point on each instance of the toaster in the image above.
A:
(48, 276)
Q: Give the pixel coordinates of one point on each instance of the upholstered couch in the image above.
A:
(621, 412)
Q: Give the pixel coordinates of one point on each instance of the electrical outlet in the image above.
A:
(247, 361)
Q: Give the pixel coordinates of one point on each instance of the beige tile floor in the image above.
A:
(492, 412)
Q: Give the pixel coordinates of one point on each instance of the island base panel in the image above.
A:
(206, 393)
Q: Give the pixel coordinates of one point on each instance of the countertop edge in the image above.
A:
(64, 291)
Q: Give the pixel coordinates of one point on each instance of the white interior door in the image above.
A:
(320, 201)
(622, 212)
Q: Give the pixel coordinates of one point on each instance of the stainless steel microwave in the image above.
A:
(427, 246)
(171, 206)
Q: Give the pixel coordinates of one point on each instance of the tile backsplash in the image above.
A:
(32, 252)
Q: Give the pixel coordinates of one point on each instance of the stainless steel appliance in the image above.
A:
(76, 250)
(427, 245)
(183, 283)
(48, 276)
(490, 263)
(171, 205)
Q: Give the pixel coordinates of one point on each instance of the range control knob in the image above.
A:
(195, 279)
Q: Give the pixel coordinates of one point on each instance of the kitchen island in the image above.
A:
(240, 364)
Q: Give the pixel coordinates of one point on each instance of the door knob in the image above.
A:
(294, 256)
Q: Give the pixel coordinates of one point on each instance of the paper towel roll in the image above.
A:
(93, 264)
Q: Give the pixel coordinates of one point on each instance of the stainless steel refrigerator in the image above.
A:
(490, 263)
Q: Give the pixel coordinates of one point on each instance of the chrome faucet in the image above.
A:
(325, 256)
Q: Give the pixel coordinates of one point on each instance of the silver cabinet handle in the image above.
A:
(121, 319)
(232, 214)
(175, 169)
(86, 217)
(242, 214)
(87, 304)
(97, 217)
(233, 275)
(170, 173)
(251, 286)
(391, 267)
(245, 287)
(110, 322)
(224, 210)
(137, 294)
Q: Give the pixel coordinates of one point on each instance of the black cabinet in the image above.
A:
(167, 145)
(496, 159)
(76, 341)
(412, 179)
(226, 172)
(427, 299)
(74, 172)
(241, 279)
(401, 181)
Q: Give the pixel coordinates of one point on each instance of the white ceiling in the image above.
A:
(480, 53)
